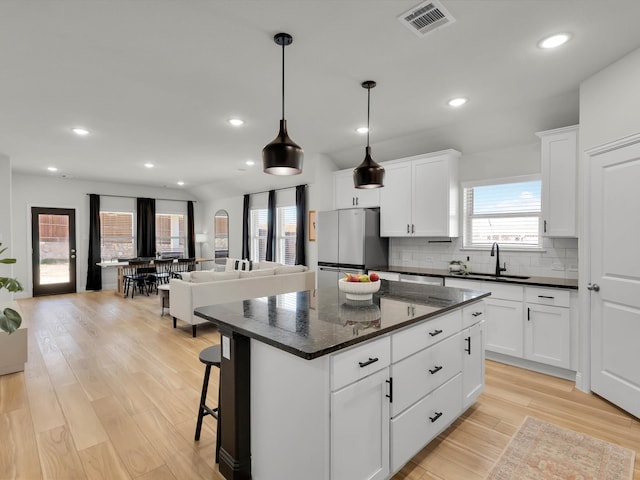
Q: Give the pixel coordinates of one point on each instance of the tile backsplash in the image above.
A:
(558, 259)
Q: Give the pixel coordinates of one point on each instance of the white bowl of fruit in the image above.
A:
(359, 286)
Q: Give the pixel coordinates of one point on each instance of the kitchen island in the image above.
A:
(317, 386)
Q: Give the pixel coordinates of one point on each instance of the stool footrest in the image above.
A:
(209, 411)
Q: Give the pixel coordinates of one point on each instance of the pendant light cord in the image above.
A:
(283, 80)
(368, 112)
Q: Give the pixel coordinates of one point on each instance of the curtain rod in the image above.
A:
(278, 189)
(129, 196)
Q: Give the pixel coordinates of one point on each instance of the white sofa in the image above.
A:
(198, 289)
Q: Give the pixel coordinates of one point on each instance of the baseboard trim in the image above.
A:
(534, 366)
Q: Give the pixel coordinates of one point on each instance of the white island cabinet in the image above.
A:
(342, 390)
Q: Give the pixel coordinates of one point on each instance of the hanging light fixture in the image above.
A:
(368, 174)
(282, 156)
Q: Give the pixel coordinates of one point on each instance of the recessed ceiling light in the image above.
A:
(148, 165)
(52, 169)
(180, 183)
(457, 102)
(554, 40)
(80, 131)
(250, 162)
(362, 129)
(236, 122)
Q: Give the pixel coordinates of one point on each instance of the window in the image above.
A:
(259, 234)
(505, 212)
(286, 224)
(116, 235)
(171, 236)
(286, 235)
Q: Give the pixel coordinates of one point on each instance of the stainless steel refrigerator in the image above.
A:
(349, 242)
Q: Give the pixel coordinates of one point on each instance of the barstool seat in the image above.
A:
(210, 356)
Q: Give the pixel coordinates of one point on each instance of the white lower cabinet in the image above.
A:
(417, 426)
(504, 327)
(360, 429)
(472, 364)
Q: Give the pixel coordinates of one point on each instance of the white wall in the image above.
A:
(44, 191)
(610, 104)
(5, 221)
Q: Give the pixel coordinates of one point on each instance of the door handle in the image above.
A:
(528, 314)
(595, 287)
(468, 349)
(408, 231)
(413, 228)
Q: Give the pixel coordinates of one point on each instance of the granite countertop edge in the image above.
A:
(311, 355)
(435, 272)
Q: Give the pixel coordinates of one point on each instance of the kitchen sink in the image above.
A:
(493, 276)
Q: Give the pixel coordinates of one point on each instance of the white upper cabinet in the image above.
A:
(420, 196)
(347, 196)
(559, 181)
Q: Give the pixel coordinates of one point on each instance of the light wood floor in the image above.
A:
(111, 392)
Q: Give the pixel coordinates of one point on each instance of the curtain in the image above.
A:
(146, 227)
(245, 227)
(191, 231)
(301, 212)
(94, 272)
(271, 227)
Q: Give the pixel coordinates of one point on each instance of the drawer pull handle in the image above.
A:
(435, 370)
(435, 332)
(476, 314)
(546, 296)
(368, 362)
(390, 396)
(435, 417)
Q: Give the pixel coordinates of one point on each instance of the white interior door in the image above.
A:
(615, 276)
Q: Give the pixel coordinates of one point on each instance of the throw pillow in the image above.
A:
(291, 269)
(267, 272)
(237, 264)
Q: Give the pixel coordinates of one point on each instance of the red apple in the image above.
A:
(374, 277)
(353, 278)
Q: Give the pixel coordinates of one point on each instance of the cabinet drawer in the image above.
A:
(548, 296)
(504, 292)
(360, 361)
(473, 314)
(416, 427)
(419, 374)
(413, 339)
(387, 275)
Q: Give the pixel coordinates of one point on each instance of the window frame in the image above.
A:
(134, 240)
(180, 238)
(280, 237)
(466, 219)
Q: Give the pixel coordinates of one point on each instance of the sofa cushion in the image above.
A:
(238, 264)
(209, 276)
(264, 264)
(291, 269)
(186, 276)
(257, 273)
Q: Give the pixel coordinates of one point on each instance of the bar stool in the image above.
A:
(209, 356)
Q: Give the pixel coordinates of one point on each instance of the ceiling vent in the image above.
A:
(426, 17)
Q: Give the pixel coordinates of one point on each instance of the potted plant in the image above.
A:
(10, 320)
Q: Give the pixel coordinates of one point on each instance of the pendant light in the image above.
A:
(282, 156)
(368, 174)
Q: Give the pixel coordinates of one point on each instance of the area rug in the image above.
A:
(543, 451)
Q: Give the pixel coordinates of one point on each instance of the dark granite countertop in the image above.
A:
(314, 323)
(530, 280)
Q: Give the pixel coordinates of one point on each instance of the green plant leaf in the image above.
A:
(7, 260)
(10, 320)
(10, 284)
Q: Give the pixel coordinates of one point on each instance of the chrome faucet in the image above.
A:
(495, 252)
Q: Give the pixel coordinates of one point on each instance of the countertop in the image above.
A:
(434, 272)
(314, 323)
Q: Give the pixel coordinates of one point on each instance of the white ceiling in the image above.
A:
(156, 81)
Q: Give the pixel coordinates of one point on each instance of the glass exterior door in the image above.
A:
(53, 232)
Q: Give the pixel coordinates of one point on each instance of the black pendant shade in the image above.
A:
(368, 174)
(282, 156)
